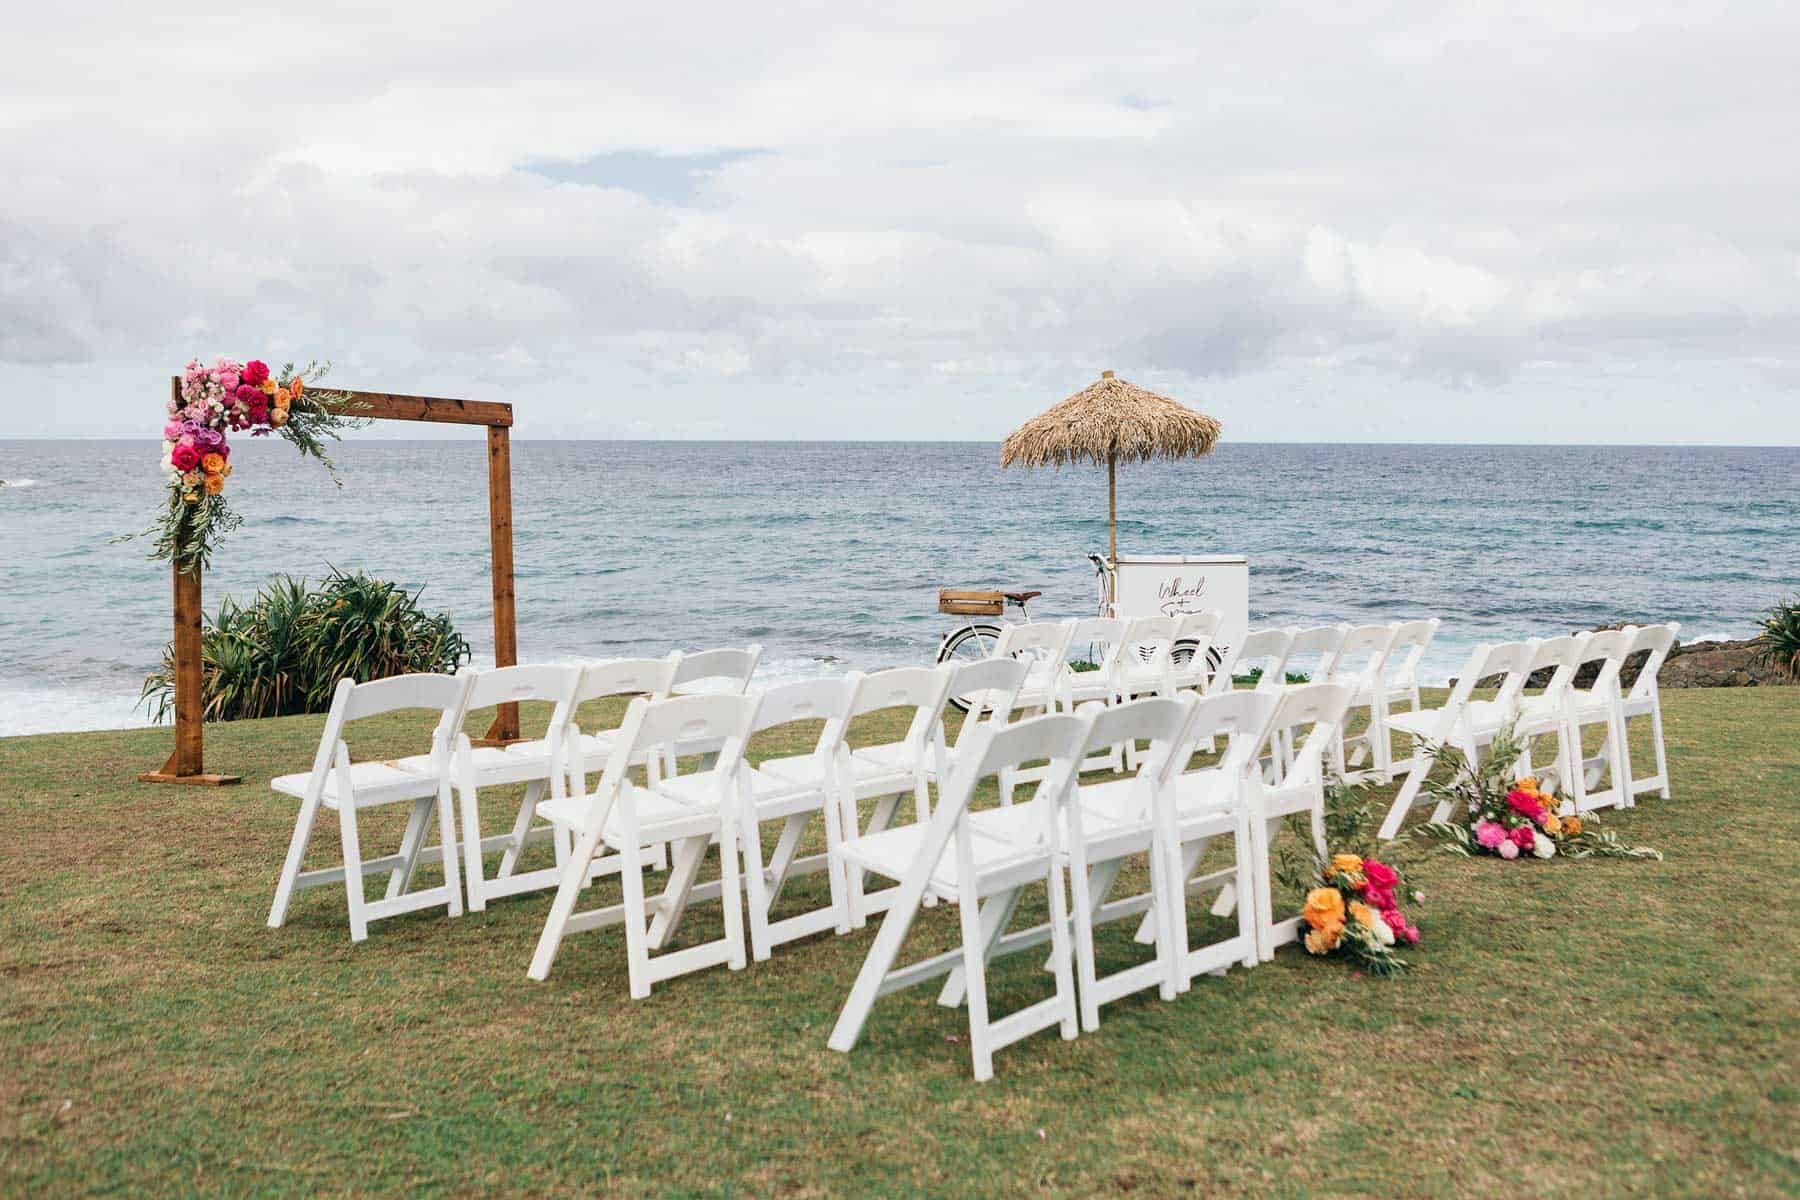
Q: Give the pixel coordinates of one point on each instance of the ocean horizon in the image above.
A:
(830, 553)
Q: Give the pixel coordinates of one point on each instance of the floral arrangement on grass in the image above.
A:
(214, 402)
(1513, 818)
(1354, 913)
(1352, 900)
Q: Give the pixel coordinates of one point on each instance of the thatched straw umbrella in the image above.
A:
(1109, 422)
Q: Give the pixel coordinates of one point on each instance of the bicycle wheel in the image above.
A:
(1182, 653)
(971, 643)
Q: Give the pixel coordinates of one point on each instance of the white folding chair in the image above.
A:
(1600, 703)
(793, 790)
(1043, 646)
(1107, 823)
(1263, 650)
(652, 678)
(1546, 713)
(990, 689)
(709, 673)
(1315, 712)
(621, 816)
(1190, 666)
(1400, 685)
(538, 764)
(1101, 641)
(887, 772)
(1360, 664)
(1146, 666)
(984, 876)
(1645, 700)
(335, 782)
(1463, 722)
(1312, 652)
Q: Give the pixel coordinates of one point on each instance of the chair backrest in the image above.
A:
(925, 690)
(1609, 648)
(1411, 640)
(651, 677)
(447, 695)
(1266, 649)
(1148, 643)
(553, 682)
(1316, 707)
(1558, 655)
(1164, 722)
(1241, 718)
(1362, 658)
(717, 719)
(990, 687)
(1100, 640)
(1194, 633)
(1313, 650)
(1505, 659)
(1658, 640)
(1059, 737)
(715, 671)
(1042, 646)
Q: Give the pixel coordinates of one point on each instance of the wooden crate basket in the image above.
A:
(960, 602)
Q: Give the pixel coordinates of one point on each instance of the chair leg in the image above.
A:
(1403, 800)
(1061, 953)
(472, 864)
(637, 939)
(755, 888)
(689, 856)
(996, 915)
(509, 861)
(876, 965)
(290, 868)
(353, 877)
(975, 976)
(401, 877)
(574, 879)
(1662, 754)
(447, 836)
(732, 892)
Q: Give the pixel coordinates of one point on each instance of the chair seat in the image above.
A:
(373, 783)
(893, 851)
(698, 789)
(1423, 722)
(893, 758)
(660, 818)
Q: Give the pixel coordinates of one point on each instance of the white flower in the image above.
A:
(1383, 934)
(1544, 847)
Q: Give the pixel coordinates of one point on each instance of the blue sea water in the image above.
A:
(830, 554)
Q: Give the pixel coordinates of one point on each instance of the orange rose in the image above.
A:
(1527, 784)
(1571, 826)
(213, 464)
(283, 397)
(1362, 914)
(215, 484)
(1345, 864)
(1324, 906)
(1324, 941)
(296, 385)
(268, 387)
(278, 417)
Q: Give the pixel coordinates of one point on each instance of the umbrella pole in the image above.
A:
(1112, 508)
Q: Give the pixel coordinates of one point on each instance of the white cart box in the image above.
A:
(1171, 586)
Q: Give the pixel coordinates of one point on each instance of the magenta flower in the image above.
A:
(1523, 837)
(1489, 834)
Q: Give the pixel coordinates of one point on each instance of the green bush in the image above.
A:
(284, 652)
(1778, 645)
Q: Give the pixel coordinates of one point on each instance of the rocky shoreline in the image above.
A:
(1690, 665)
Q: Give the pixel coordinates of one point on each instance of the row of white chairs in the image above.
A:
(1560, 710)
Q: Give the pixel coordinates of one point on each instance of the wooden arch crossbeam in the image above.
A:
(187, 761)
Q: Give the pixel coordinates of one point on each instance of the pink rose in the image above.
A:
(1396, 921)
(247, 394)
(185, 457)
(1508, 849)
(1489, 834)
(255, 371)
(1525, 804)
(172, 431)
(229, 380)
(1380, 875)
(1523, 837)
(1376, 897)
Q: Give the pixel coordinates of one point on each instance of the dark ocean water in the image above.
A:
(830, 553)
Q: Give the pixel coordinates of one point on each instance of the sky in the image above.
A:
(1457, 222)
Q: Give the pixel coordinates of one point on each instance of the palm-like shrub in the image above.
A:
(1778, 645)
(284, 652)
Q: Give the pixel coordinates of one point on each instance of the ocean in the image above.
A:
(830, 554)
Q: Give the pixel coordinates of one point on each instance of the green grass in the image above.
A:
(1585, 1028)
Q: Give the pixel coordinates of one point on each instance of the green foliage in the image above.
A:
(1083, 665)
(1251, 677)
(1778, 645)
(285, 651)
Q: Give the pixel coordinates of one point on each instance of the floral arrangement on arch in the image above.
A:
(1513, 818)
(213, 403)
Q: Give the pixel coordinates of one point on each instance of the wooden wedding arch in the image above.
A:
(187, 761)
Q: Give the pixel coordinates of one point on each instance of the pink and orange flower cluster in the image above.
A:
(1356, 911)
(227, 397)
(1526, 824)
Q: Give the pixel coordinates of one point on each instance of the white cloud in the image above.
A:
(946, 216)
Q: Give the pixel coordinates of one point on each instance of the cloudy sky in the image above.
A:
(1461, 222)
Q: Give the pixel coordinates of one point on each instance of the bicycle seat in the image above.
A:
(1021, 597)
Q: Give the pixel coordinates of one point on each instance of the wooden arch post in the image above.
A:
(187, 761)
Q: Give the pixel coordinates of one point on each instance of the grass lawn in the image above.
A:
(1595, 1028)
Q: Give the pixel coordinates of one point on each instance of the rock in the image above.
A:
(1689, 665)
